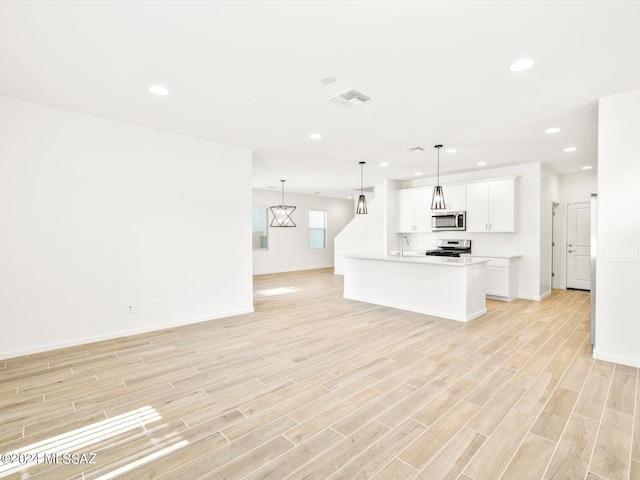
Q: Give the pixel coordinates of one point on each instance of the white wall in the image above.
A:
(578, 187)
(289, 247)
(364, 233)
(526, 241)
(96, 215)
(617, 318)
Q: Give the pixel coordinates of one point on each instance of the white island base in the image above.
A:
(446, 287)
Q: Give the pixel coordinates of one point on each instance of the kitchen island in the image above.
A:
(446, 287)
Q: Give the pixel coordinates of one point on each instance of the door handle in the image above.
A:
(570, 251)
(570, 245)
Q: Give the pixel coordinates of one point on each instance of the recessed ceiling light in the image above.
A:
(570, 149)
(549, 131)
(159, 90)
(522, 64)
(482, 164)
(587, 167)
(328, 79)
(417, 174)
(384, 164)
(349, 198)
(315, 136)
(450, 150)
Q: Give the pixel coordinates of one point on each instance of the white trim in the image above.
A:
(120, 334)
(537, 298)
(500, 298)
(607, 357)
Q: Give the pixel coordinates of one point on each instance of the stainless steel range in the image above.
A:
(451, 248)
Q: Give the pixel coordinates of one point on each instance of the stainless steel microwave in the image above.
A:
(448, 221)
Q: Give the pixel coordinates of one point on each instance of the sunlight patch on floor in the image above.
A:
(76, 440)
(278, 291)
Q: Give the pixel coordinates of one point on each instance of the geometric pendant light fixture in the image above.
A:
(282, 213)
(362, 200)
(437, 202)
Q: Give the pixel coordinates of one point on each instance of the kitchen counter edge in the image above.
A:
(491, 255)
(426, 260)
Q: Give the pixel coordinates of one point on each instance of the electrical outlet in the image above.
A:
(131, 309)
(156, 304)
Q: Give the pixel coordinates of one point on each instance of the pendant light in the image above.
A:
(437, 202)
(282, 213)
(362, 200)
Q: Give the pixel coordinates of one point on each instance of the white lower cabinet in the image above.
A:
(502, 278)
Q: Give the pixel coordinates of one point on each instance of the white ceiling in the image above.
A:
(248, 74)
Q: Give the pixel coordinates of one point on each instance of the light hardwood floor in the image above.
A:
(315, 386)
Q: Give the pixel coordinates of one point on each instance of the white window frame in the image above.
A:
(253, 232)
(324, 230)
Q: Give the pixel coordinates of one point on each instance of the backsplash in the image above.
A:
(485, 243)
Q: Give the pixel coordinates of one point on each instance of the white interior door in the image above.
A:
(578, 246)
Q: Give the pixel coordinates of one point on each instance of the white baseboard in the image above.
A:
(607, 357)
(537, 298)
(122, 333)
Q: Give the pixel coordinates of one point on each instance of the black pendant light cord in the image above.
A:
(362, 201)
(438, 147)
(282, 192)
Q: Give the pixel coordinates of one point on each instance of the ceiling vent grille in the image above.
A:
(350, 98)
(414, 149)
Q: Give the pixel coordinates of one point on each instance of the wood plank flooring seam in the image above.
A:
(506, 466)
(564, 429)
(515, 452)
(281, 336)
(318, 455)
(633, 423)
(599, 422)
(428, 427)
(401, 461)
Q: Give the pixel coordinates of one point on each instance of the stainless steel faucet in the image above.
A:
(402, 239)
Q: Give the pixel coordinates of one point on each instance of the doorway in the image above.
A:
(578, 246)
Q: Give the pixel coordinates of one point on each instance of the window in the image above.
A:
(317, 229)
(260, 227)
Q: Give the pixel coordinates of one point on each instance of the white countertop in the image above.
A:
(423, 259)
(491, 255)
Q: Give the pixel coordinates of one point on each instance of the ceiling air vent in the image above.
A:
(350, 98)
(414, 149)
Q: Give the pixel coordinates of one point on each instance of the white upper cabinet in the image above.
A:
(478, 207)
(455, 197)
(491, 206)
(414, 210)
